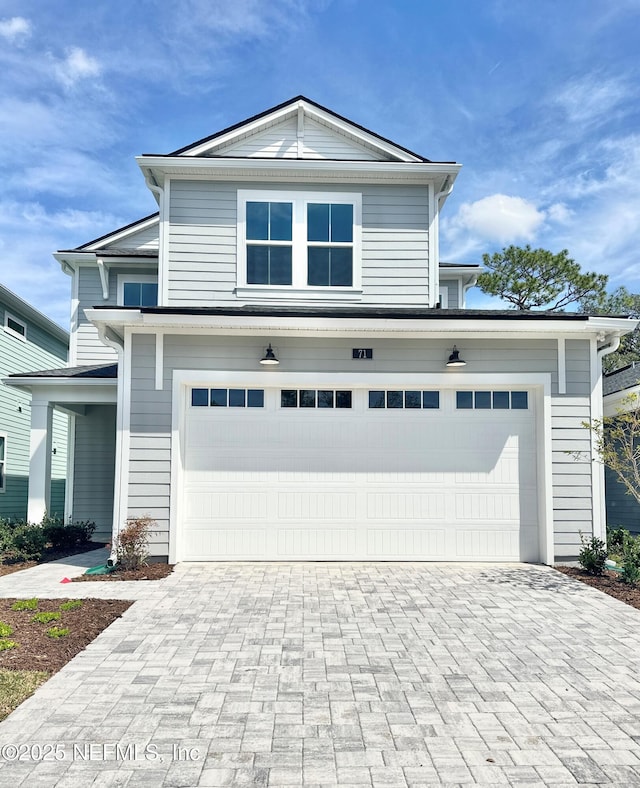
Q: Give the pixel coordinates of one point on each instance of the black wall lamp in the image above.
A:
(269, 357)
(455, 360)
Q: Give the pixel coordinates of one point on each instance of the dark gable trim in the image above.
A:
(113, 232)
(266, 112)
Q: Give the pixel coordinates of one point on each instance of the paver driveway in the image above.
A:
(349, 674)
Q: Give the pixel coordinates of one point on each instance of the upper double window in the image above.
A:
(299, 240)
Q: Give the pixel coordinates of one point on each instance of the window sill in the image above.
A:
(299, 294)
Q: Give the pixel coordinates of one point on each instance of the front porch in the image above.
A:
(88, 395)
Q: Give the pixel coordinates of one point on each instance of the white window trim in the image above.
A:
(298, 288)
(8, 316)
(3, 463)
(124, 279)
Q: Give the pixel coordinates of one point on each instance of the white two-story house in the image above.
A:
(276, 366)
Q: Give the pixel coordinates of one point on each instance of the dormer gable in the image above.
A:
(299, 129)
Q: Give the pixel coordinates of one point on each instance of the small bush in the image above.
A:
(23, 541)
(25, 604)
(57, 632)
(132, 543)
(63, 536)
(593, 555)
(5, 644)
(5, 630)
(72, 604)
(630, 559)
(45, 618)
(615, 539)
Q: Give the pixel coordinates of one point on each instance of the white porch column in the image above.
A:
(40, 460)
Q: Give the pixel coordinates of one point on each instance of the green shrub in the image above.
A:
(132, 543)
(593, 555)
(57, 632)
(630, 559)
(25, 604)
(5, 630)
(5, 644)
(72, 604)
(615, 539)
(63, 536)
(45, 618)
(23, 541)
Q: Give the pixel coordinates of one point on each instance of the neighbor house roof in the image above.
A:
(14, 303)
(621, 379)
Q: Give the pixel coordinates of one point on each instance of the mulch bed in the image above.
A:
(609, 583)
(151, 572)
(37, 651)
(49, 554)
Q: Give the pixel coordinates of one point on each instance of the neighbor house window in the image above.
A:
(3, 454)
(141, 290)
(299, 241)
(15, 326)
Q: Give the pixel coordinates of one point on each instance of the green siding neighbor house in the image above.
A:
(28, 340)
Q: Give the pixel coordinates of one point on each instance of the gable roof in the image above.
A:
(294, 107)
(24, 310)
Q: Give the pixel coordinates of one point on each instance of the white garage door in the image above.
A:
(360, 474)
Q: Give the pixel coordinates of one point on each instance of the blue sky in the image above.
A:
(538, 100)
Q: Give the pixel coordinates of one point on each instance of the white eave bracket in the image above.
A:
(103, 270)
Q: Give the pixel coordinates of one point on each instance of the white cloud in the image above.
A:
(76, 66)
(592, 98)
(498, 217)
(16, 29)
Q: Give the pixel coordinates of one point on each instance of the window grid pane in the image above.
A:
(519, 400)
(218, 398)
(430, 399)
(200, 397)
(412, 399)
(343, 399)
(236, 398)
(255, 398)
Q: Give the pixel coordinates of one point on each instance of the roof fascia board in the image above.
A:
(118, 235)
(251, 126)
(244, 324)
(24, 309)
(272, 169)
(371, 140)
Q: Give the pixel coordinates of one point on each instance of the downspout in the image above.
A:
(112, 340)
(434, 241)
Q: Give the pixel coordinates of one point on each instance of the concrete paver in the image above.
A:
(314, 674)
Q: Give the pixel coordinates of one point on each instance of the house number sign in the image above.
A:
(362, 352)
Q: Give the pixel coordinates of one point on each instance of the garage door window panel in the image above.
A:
(222, 398)
(407, 400)
(492, 400)
(322, 399)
